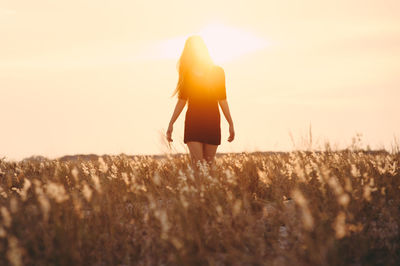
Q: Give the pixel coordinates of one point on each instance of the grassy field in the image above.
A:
(297, 208)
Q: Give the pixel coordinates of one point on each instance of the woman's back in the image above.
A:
(202, 120)
(207, 87)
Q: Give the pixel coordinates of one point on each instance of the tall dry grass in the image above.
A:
(297, 208)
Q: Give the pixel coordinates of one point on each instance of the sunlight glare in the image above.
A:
(228, 43)
(224, 44)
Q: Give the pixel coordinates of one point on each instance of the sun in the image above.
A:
(225, 43)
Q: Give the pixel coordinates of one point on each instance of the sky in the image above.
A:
(79, 77)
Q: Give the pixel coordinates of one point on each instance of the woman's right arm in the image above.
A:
(225, 109)
(178, 109)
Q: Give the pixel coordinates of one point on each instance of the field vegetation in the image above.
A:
(294, 208)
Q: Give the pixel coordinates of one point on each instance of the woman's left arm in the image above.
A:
(178, 109)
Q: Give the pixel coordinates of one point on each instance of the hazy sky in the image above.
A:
(82, 76)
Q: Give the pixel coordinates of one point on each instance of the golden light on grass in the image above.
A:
(142, 210)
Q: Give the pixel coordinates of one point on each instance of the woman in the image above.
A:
(202, 84)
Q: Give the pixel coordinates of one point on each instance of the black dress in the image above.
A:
(202, 120)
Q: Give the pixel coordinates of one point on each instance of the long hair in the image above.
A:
(194, 54)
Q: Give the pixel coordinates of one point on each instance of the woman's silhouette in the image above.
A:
(202, 84)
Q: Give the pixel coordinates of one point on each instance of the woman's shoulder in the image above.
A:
(219, 71)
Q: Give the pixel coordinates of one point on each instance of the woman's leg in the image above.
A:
(196, 151)
(209, 152)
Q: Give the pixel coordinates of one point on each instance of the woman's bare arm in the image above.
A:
(178, 109)
(225, 109)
